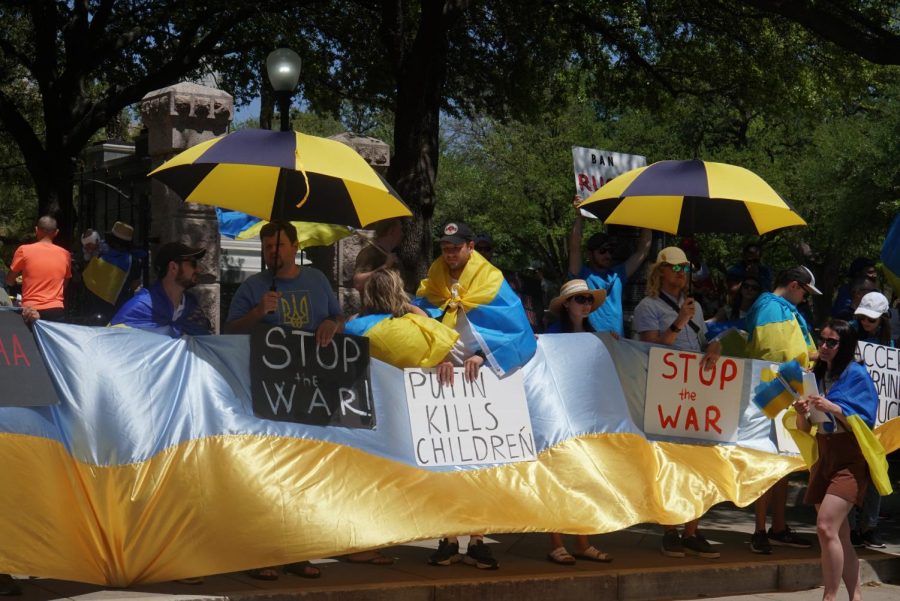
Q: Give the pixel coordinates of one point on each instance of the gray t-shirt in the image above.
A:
(654, 314)
(305, 302)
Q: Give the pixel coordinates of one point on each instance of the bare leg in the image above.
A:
(834, 538)
(761, 508)
(556, 540)
(778, 504)
(581, 543)
(690, 528)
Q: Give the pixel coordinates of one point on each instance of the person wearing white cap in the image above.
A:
(573, 306)
(668, 317)
(778, 333)
(872, 324)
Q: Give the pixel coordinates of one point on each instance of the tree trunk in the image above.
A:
(54, 177)
(420, 85)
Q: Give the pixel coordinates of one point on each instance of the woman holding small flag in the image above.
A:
(845, 456)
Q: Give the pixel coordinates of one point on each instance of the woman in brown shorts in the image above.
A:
(839, 478)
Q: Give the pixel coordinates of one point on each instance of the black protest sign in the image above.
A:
(293, 379)
(24, 378)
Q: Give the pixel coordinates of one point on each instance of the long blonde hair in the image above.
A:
(383, 293)
(654, 279)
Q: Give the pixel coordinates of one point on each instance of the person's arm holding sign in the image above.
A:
(268, 303)
(668, 336)
(328, 328)
(575, 239)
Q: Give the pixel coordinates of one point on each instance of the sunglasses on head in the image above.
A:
(830, 342)
(684, 268)
(582, 299)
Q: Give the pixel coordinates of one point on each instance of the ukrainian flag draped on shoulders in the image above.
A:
(150, 309)
(491, 306)
(408, 341)
(773, 323)
(106, 275)
(854, 392)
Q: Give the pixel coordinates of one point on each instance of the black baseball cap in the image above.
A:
(800, 274)
(599, 240)
(456, 232)
(176, 251)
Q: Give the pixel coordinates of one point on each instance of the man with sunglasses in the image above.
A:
(602, 273)
(166, 307)
(778, 333)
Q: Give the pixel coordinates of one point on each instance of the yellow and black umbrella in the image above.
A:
(282, 175)
(692, 197)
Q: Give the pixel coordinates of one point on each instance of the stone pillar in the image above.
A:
(337, 261)
(178, 117)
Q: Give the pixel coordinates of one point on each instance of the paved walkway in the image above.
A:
(639, 571)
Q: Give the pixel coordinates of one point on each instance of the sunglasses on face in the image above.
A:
(830, 342)
(193, 262)
(684, 268)
(582, 299)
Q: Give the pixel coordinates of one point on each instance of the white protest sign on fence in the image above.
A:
(468, 423)
(593, 167)
(687, 401)
(883, 364)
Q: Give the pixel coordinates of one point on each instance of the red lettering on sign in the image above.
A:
(584, 183)
(712, 419)
(667, 421)
(3, 351)
(668, 363)
(691, 420)
(19, 352)
(729, 372)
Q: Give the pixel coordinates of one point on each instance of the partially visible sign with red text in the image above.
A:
(593, 167)
(24, 380)
(686, 401)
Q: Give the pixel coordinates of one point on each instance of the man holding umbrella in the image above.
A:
(601, 274)
(285, 293)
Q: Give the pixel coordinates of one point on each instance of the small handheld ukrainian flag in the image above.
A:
(779, 386)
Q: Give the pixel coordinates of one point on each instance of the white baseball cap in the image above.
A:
(873, 305)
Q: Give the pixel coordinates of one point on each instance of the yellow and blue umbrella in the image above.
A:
(282, 175)
(692, 197)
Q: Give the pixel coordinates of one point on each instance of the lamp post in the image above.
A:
(283, 68)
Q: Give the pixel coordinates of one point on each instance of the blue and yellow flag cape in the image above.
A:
(408, 341)
(242, 226)
(855, 394)
(105, 275)
(151, 309)
(494, 311)
(777, 331)
(890, 255)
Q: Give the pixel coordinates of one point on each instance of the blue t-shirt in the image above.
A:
(306, 300)
(608, 316)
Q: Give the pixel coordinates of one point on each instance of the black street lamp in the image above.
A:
(283, 67)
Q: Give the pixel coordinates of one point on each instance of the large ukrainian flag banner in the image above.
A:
(153, 466)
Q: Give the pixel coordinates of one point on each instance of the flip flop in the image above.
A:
(375, 559)
(594, 554)
(303, 569)
(560, 556)
(268, 574)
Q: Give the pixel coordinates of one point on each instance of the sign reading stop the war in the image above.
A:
(686, 401)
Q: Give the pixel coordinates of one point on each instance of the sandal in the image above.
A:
(560, 556)
(268, 574)
(594, 554)
(303, 569)
(373, 558)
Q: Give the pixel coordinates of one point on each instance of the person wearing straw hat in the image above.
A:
(573, 305)
(668, 317)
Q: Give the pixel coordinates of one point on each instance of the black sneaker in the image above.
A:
(671, 544)
(856, 539)
(698, 546)
(446, 554)
(759, 543)
(872, 540)
(480, 556)
(787, 538)
(8, 586)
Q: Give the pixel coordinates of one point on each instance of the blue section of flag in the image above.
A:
(232, 223)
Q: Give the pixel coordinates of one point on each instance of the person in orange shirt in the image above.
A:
(45, 268)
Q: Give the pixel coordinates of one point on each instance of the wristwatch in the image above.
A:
(674, 328)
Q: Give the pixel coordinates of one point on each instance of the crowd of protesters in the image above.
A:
(683, 307)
